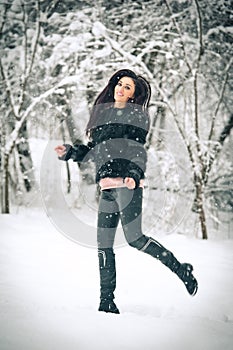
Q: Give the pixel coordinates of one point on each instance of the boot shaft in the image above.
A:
(107, 269)
(156, 250)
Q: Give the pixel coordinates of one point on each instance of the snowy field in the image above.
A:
(49, 293)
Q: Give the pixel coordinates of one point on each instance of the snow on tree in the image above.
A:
(182, 47)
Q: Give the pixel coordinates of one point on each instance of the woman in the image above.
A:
(117, 129)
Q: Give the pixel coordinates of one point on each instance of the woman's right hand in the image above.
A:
(130, 183)
(61, 150)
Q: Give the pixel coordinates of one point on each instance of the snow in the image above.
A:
(49, 291)
(98, 29)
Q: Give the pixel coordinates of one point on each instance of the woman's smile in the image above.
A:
(119, 93)
(124, 90)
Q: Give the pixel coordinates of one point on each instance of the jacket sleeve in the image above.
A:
(78, 153)
(137, 155)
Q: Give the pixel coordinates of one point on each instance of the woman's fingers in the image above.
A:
(130, 183)
(61, 150)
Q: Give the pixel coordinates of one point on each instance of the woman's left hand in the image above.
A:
(130, 183)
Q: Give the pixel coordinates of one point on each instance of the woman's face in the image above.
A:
(124, 90)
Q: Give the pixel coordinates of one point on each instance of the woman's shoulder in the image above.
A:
(138, 117)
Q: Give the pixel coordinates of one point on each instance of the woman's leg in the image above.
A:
(108, 218)
(130, 206)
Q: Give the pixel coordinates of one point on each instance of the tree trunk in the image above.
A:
(26, 163)
(198, 205)
(5, 187)
(202, 219)
(158, 118)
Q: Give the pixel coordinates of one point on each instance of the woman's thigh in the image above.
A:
(108, 219)
(130, 207)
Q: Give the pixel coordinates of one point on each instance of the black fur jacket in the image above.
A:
(117, 144)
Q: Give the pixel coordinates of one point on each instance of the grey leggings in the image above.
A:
(119, 204)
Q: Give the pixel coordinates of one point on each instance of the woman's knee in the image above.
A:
(139, 243)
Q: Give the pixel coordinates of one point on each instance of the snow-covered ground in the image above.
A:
(49, 291)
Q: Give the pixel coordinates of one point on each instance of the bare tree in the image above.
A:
(15, 89)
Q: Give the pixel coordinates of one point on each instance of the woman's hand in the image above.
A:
(130, 183)
(61, 150)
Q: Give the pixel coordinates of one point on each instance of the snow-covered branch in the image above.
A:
(14, 135)
(216, 30)
(151, 48)
(100, 30)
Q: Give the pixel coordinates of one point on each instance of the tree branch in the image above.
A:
(136, 61)
(36, 38)
(200, 53)
(199, 30)
(220, 100)
(195, 87)
(3, 18)
(28, 67)
(8, 90)
(180, 36)
(226, 130)
(14, 134)
(25, 52)
(217, 147)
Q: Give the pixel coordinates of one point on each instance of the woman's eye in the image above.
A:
(127, 88)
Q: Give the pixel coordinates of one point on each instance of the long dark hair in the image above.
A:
(141, 96)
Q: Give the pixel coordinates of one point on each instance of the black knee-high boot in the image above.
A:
(155, 249)
(107, 280)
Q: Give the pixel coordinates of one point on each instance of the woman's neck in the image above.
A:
(119, 104)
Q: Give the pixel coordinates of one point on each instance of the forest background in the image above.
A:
(57, 55)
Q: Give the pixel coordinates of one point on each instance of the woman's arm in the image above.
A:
(61, 150)
(64, 151)
(78, 153)
(137, 156)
